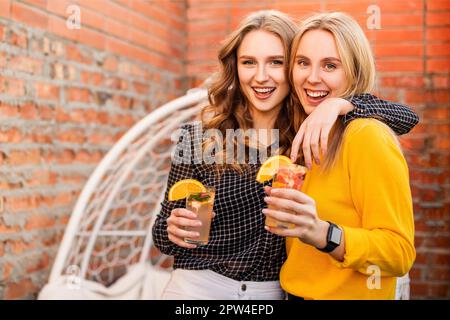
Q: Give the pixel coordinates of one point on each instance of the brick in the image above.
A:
(39, 222)
(2, 58)
(4, 229)
(61, 115)
(10, 135)
(438, 65)
(26, 64)
(437, 96)
(5, 8)
(71, 136)
(18, 38)
(19, 246)
(21, 203)
(438, 34)
(57, 26)
(46, 112)
(28, 111)
(101, 138)
(443, 143)
(23, 157)
(38, 3)
(84, 156)
(19, 289)
(28, 15)
(43, 177)
(439, 49)
(403, 82)
(401, 20)
(15, 87)
(441, 82)
(437, 18)
(438, 5)
(92, 78)
(46, 91)
(91, 38)
(398, 50)
(38, 263)
(400, 6)
(398, 36)
(76, 54)
(437, 113)
(78, 94)
(59, 200)
(419, 290)
(396, 65)
(7, 268)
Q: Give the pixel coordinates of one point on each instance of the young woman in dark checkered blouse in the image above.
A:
(242, 260)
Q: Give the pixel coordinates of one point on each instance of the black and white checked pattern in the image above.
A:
(239, 247)
(400, 118)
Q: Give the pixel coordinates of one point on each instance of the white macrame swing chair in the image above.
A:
(107, 250)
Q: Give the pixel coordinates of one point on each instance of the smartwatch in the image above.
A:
(334, 236)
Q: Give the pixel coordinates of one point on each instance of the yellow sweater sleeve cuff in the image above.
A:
(356, 249)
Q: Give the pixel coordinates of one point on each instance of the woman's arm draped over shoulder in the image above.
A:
(398, 117)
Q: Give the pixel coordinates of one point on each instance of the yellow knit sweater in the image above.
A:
(367, 194)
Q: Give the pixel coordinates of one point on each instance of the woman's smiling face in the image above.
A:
(318, 72)
(262, 71)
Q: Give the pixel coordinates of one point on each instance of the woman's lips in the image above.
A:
(315, 97)
(263, 93)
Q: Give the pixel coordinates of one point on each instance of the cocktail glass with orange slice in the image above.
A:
(284, 174)
(200, 200)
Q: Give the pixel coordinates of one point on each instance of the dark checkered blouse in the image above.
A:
(239, 246)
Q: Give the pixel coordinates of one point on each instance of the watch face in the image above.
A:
(336, 235)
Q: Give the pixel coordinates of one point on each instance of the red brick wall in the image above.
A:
(65, 97)
(412, 51)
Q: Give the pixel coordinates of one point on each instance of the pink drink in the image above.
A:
(287, 177)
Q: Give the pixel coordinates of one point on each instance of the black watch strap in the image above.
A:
(334, 236)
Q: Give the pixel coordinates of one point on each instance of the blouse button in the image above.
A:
(244, 287)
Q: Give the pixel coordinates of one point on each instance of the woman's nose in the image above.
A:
(314, 75)
(261, 74)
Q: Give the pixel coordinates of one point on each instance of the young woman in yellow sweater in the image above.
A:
(354, 225)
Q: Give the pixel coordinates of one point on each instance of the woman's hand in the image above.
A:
(316, 128)
(308, 227)
(178, 220)
(176, 223)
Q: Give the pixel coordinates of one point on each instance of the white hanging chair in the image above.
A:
(107, 250)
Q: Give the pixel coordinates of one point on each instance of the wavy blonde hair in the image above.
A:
(227, 103)
(357, 61)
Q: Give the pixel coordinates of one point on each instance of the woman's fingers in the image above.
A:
(181, 243)
(314, 143)
(324, 133)
(307, 147)
(179, 220)
(290, 206)
(297, 142)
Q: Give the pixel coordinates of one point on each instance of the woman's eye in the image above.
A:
(330, 67)
(302, 63)
(248, 62)
(278, 62)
